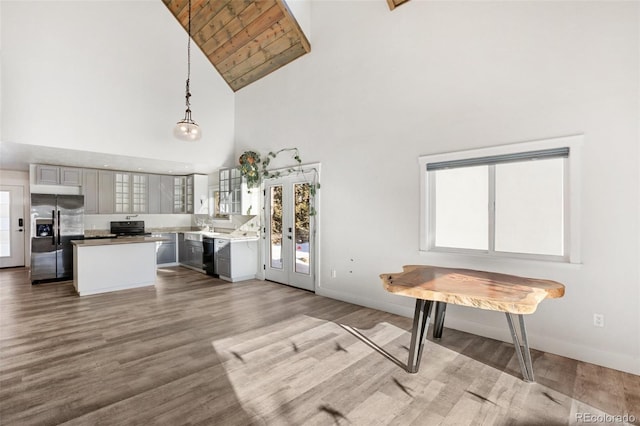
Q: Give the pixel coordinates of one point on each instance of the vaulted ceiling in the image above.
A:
(244, 39)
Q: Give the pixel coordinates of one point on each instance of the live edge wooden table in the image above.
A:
(431, 285)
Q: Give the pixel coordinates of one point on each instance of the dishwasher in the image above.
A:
(208, 256)
(217, 256)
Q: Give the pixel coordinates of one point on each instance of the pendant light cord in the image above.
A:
(188, 93)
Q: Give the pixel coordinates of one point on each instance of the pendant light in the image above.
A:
(187, 129)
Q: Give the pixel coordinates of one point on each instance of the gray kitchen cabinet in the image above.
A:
(191, 251)
(179, 194)
(122, 192)
(194, 255)
(139, 193)
(160, 192)
(224, 191)
(166, 252)
(106, 200)
(154, 182)
(182, 252)
(90, 190)
(190, 194)
(189, 198)
(166, 194)
(47, 175)
(222, 257)
(230, 191)
(131, 192)
(224, 268)
(70, 176)
(57, 175)
(236, 260)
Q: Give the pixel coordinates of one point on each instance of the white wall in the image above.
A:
(381, 88)
(108, 77)
(301, 10)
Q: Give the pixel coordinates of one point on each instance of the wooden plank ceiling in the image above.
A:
(244, 39)
(395, 3)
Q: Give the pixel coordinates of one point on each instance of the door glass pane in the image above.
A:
(301, 229)
(530, 207)
(5, 224)
(276, 227)
(462, 213)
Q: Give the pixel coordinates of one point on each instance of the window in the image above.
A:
(511, 201)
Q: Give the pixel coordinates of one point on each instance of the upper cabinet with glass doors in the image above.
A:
(235, 195)
(179, 194)
(131, 193)
(190, 194)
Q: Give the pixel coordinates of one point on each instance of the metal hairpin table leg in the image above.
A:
(523, 354)
(438, 320)
(418, 333)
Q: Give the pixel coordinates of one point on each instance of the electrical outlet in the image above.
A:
(598, 320)
(333, 273)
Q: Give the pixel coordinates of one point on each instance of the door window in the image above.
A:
(290, 229)
(275, 236)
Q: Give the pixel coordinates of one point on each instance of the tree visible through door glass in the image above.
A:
(301, 196)
(276, 227)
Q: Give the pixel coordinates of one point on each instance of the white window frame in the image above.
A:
(572, 191)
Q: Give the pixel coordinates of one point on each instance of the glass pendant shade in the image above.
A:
(187, 129)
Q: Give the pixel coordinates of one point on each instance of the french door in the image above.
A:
(12, 235)
(290, 225)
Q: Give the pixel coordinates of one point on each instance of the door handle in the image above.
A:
(289, 236)
(19, 230)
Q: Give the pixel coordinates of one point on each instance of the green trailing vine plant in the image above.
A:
(255, 169)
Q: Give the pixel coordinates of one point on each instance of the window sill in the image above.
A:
(486, 261)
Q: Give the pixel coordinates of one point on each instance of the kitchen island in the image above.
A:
(110, 264)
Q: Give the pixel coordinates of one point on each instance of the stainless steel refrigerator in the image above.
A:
(55, 221)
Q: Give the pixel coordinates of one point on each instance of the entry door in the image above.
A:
(12, 235)
(290, 249)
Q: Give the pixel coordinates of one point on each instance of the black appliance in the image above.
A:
(208, 256)
(55, 221)
(128, 228)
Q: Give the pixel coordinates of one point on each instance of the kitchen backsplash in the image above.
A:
(102, 221)
(235, 222)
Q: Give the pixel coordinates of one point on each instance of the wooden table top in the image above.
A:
(479, 289)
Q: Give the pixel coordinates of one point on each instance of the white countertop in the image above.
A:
(224, 236)
(233, 236)
(114, 241)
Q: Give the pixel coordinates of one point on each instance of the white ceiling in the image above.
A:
(18, 156)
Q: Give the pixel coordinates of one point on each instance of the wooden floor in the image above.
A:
(196, 350)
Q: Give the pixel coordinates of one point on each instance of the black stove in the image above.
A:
(130, 228)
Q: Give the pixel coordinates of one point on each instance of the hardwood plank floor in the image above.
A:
(200, 351)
